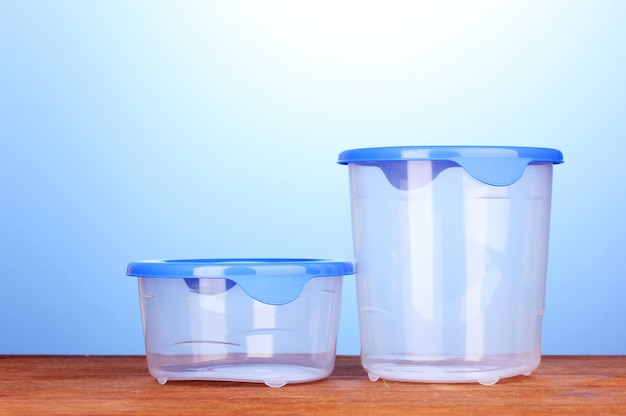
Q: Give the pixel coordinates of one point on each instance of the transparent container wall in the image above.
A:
(451, 272)
(210, 329)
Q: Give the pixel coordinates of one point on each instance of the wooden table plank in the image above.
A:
(121, 385)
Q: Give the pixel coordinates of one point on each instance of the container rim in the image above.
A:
(229, 267)
(274, 281)
(491, 165)
(453, 153)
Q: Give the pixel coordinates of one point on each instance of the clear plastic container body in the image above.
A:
(210, 329)
(451, 272)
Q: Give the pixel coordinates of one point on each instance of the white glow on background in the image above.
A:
(171, 129)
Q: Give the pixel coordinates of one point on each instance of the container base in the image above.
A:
(486, 371)
(273, 375)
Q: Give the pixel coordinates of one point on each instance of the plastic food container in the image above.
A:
(451, 248)
(272, 321)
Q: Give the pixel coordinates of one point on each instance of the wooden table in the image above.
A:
(65, 385)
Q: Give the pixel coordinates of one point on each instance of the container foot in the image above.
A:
(489, 381)
(373, 377)
(275, 383)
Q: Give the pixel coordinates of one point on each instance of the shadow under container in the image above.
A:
(271, 321)
(451, 248)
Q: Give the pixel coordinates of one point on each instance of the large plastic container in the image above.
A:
(451, 247)
(259, 320)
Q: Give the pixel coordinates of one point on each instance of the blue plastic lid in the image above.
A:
(493, 165)
(271, 281)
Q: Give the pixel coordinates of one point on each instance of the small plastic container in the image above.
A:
(451, 248)
(271, 321)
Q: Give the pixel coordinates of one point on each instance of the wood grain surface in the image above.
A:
(31, 385)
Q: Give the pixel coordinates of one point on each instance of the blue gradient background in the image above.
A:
(148, 129)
